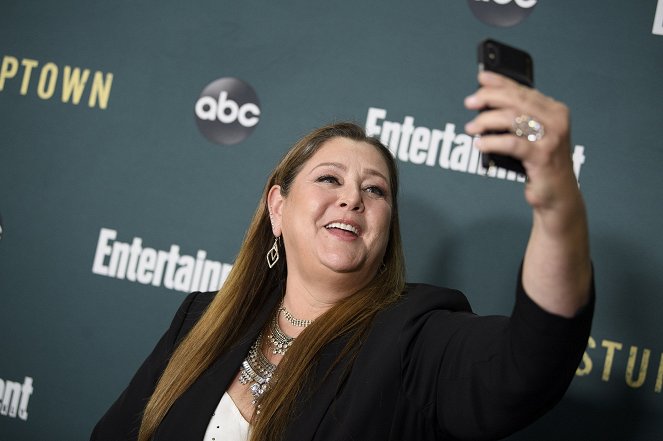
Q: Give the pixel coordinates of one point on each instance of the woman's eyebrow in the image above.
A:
(331, 164)
(377, 173)
(369, 171)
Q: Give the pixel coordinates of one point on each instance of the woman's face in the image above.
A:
(336, 216)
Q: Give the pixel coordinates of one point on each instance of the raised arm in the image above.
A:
(556, 270)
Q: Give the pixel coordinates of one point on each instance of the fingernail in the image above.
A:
(471, 100)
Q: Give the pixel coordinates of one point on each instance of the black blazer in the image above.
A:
(429, 369)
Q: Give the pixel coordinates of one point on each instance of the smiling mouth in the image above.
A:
(344, 227)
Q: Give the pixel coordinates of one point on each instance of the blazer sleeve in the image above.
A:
(122, 420)
(491, 376)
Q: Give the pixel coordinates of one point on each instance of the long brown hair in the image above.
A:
(250, 282)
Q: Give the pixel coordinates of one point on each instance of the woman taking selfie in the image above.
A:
(315, 335)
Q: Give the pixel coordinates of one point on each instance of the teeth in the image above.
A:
(342, 226)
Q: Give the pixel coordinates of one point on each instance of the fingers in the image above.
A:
(507, 100)
(491, 121)
(488, 78)
(507, 94)
(494, 126)
(509, 145)
(545, 155)
(498, 91)
(494, 91)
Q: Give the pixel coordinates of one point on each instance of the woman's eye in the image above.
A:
(328, 179)
(377, 191)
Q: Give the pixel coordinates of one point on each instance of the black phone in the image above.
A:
(515, 64)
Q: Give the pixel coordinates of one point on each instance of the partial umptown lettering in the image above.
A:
(72, 81)
(641, 364)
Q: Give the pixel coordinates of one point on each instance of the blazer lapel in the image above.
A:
(189, 416)
(316, 401)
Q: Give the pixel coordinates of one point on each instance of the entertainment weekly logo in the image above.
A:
(227, 111)
(134, 262)
(15, 397)
(444, 148)
(502, 13)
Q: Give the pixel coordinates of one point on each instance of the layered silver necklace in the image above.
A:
(256, 367)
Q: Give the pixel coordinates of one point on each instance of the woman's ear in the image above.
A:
(275, 206)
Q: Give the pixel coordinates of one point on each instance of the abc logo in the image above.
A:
(227, 111)
(502, 12)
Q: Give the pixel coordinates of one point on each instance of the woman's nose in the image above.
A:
(351, 198)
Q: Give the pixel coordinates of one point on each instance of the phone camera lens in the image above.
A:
(491, 54)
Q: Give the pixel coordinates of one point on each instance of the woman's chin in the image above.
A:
(347, 267)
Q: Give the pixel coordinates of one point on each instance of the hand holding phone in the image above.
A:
(515, 64)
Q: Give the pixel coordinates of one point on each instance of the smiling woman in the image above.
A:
(334, 219)
(324, 339)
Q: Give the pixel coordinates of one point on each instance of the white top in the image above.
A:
(227, 423)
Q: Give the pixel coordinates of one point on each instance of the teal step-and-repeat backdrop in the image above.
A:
(136, 136)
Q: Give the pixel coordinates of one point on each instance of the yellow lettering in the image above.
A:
(8, 69)
(644, 363)
(659, 377)
(28, 65)
(611, 346)
(73, 83)
(586, 365)
(100, 90)
(47, 81)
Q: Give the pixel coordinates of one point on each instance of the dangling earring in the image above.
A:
(273, 253)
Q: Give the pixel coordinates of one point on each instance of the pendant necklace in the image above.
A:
(256, 368)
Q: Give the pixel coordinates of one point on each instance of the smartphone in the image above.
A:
(515, 64)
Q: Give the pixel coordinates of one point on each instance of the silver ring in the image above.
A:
(527, 127)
